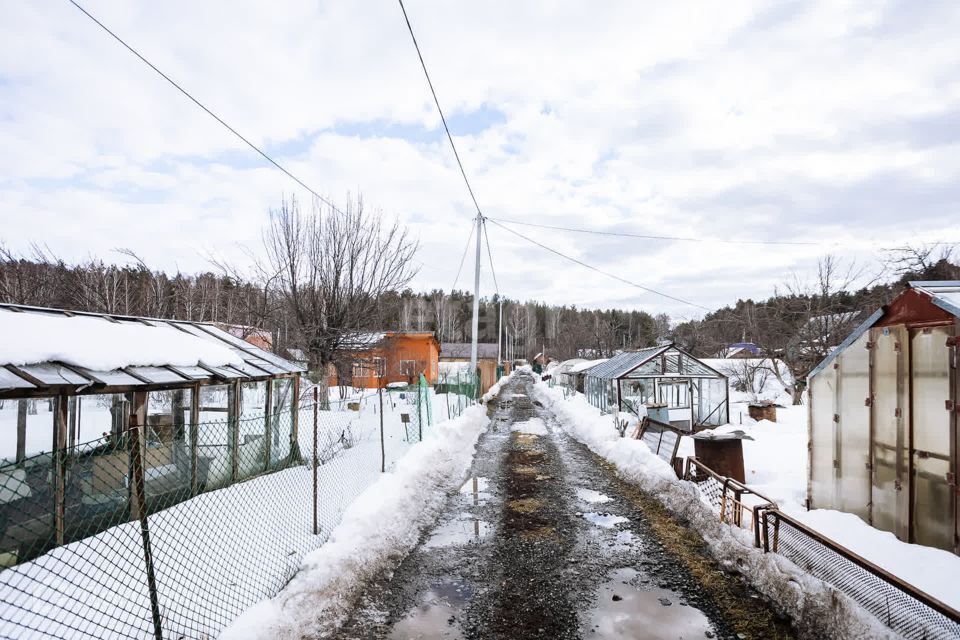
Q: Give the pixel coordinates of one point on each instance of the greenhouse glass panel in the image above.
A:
(33, 417)
(253, 428)
(853, 430)
(889, 482)
(933, 504)
(54, 374)
(214, 435)
(281, 427)
(823, 393)
(167, 457)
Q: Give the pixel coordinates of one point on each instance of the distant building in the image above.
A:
(884, 420)
(740, 350)
(260, 338)
(459, 352)
(374, 360)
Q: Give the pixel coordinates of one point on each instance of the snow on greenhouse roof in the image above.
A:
(52, 347)
(945, 293)
(625, 362)
(585, 365)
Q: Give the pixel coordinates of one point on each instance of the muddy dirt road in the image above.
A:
(543, 541)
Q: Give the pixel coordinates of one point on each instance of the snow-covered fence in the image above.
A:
(910, 612)
(171, 535)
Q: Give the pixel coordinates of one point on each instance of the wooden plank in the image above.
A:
(59, 467)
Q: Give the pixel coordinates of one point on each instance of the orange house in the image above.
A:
(391, 356)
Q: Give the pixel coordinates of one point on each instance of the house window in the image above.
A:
(409, 369)
(372, 368)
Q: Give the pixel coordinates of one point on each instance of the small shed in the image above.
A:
(883, 419)
(695, 395)
(210, 409)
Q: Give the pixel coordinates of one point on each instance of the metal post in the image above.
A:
(233, 428)
(139, 497)
(476, 297)
(419, 416)
(383, 449)
(316, 525)
(268, 426)
(295, 454)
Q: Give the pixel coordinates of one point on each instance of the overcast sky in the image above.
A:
(831, 122)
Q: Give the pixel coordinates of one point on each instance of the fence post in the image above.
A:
(383, 449)
(419, 415)
(316, 527)
(194, 438)
(139, 496)
(59, 467)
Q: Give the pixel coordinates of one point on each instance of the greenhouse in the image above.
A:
(86, 398)
(666, 377)
(883, 419)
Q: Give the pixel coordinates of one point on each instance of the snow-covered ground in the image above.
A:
(244, 543)
(775, 465)
(378, 528)
(817, 608)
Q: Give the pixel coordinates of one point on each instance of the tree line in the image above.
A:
(323, 277)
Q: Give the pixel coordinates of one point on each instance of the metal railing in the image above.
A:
(905, 609)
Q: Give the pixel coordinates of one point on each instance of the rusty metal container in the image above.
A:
(721, 452)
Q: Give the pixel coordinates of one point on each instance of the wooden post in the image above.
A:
(140, 500)
(316, 524)
(295, 425)
(136, 444)
(59, 466)
(383, 449)
(268, 425)
(233, 425)
(21, 430)
(194, 438)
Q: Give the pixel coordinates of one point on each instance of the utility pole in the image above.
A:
(500, 333)
(476, 298)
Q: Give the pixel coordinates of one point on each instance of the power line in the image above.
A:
(463, 258)
(490, 257)
(208, 111)
(601, 271)
(437, 102)
(625, 234)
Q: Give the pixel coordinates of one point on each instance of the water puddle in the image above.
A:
(465, 529)
(475, 490)
(624, 610)
(607, 520)
(435, 617)
(591, 496)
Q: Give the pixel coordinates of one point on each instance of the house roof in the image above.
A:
(944, 293)
(625, 362)
(460, 350)
(58, 348)
(646, 363)
(364, 340)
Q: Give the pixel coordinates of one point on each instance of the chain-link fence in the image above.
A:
(905, 609)
(908, 611)
(173, 530)
(457, 389)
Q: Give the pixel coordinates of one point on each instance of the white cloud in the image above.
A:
(834, 122)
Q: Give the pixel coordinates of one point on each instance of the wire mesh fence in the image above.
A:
(909, 612)
(173, 531)
(905, 609)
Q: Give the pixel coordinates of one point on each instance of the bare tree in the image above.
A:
(329, 272)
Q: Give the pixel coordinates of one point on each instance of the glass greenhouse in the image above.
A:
(883, 419)
(694, 394)
(209, 409)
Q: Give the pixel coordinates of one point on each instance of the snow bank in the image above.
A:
(100, 345)
(376, 532)
(818, 609)
(753, 379)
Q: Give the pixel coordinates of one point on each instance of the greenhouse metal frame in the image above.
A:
(696, 395)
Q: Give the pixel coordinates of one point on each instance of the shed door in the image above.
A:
(891, 485)
(932, 499)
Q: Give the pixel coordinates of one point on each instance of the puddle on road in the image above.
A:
(475, 490)
(607, 520)
(626, 611)
(435, 616)
(465, 529)
(591, 496)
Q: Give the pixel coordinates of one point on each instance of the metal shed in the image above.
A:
(694, 394)
(883, 419)
(70, 435)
